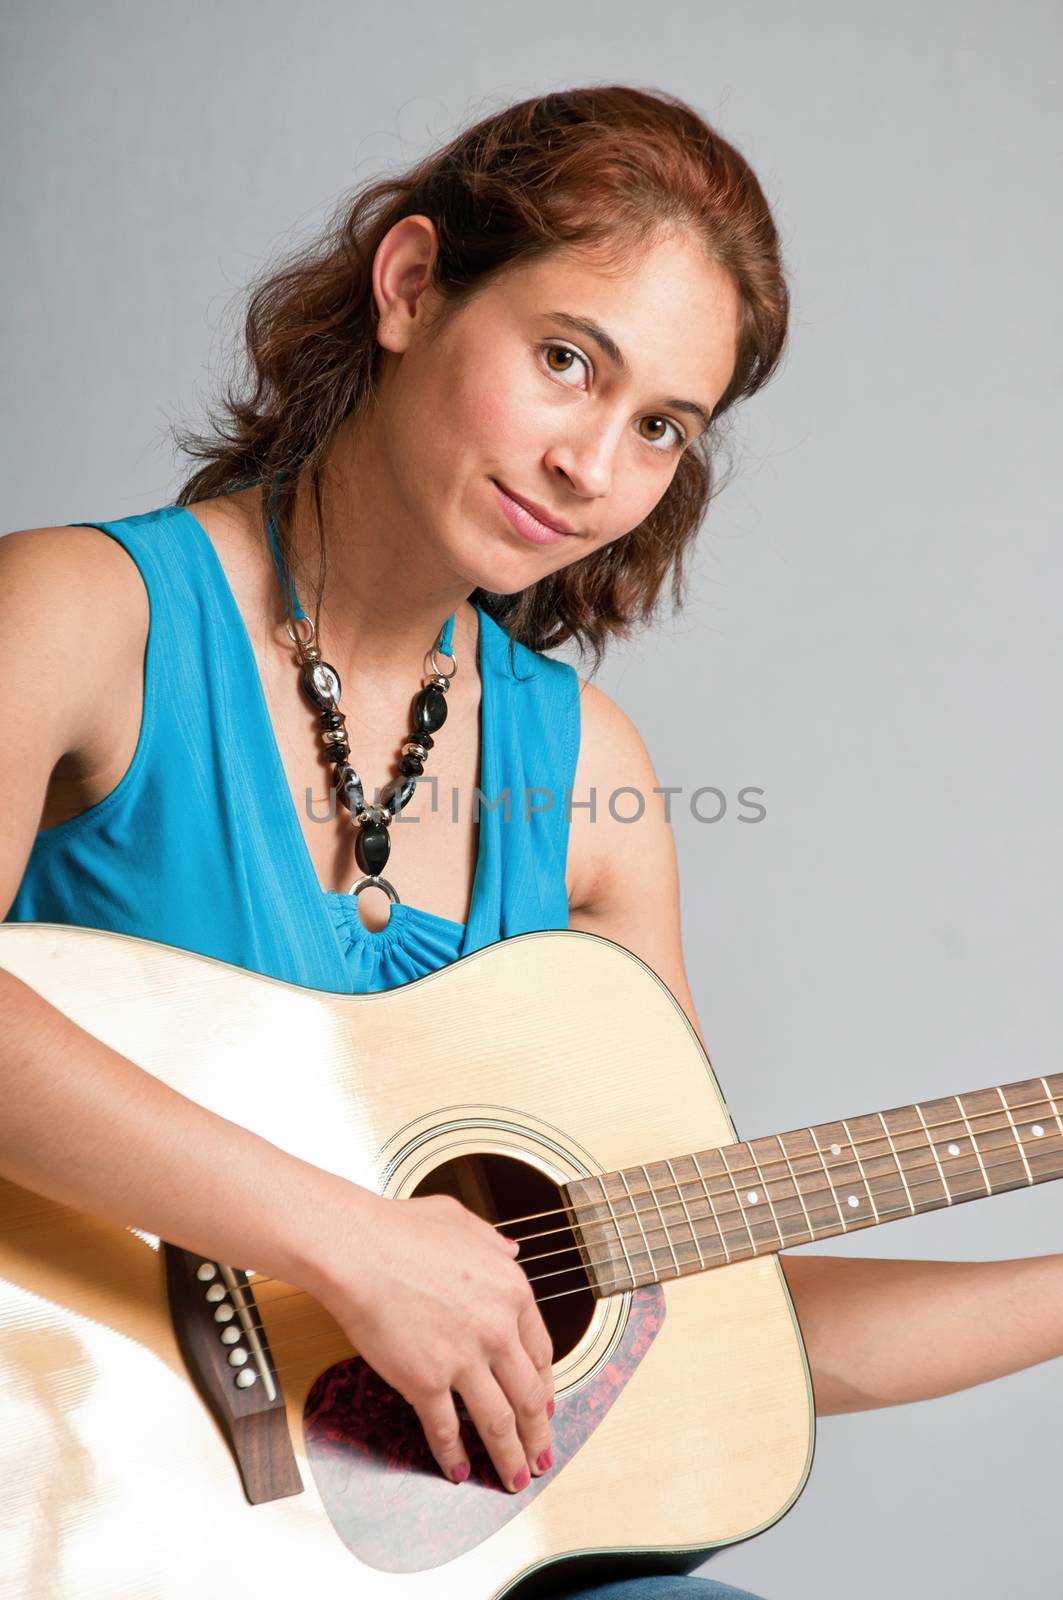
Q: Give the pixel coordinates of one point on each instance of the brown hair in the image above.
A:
(604, 169)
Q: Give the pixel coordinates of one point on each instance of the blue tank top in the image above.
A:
(199, 845)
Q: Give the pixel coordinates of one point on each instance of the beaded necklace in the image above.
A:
(321, 684)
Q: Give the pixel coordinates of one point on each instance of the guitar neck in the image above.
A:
(645, 1224)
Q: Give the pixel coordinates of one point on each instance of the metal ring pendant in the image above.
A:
(296, 638)
(376, 882)
(437, 670)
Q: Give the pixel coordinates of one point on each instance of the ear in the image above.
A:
(402, 273)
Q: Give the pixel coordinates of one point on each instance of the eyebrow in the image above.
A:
(605, 341)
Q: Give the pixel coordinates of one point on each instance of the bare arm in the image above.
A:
(877, 1332)
(885, 1333)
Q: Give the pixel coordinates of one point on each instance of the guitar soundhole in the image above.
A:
(529, 1206)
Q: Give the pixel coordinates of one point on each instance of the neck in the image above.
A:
(645, 1224)
(388, 587)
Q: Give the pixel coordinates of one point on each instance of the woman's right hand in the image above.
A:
(433, 1299)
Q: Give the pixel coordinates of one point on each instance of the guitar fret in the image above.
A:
(622, 1175)
(1055, 1108)
(686, 1213)
(767, 1195)
(782, 1192)
(714, 1240)
(712, 1208)
(863, 1174)
(620, 1239)
(597, 1233)
(741, 1208)
(797, 1186)
(897, 1160)
(1015, 1134)
(664, 1224)
(933, 1151)
(806, 1162)
(974, 1145)
(830, 1181)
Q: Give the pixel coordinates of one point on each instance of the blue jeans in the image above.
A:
(677, 1588)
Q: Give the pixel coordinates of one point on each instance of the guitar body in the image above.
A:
(685, 1416)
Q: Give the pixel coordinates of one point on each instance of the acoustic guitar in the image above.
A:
(174, 1427)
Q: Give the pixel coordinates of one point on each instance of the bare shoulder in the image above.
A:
(614, 799)
(76, 614)
(73, 567)
(625, 877)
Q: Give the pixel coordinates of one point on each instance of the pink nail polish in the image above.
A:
(522, 1480)
(459, 1473)
(545, 1461)
(550, 1409)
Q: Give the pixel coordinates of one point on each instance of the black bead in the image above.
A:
(349, 789)
(431, 712)
(332, 720)
(375, 841)
(322, 683)
(397, 793)
(411, 766)
(337, 752)
(419, 736)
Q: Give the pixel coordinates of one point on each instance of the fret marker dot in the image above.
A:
(1037, 1131)
(835, 1149)
(752, 1197)
(954, 1149)
(853, 1201)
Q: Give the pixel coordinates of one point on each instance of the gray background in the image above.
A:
(873, 635)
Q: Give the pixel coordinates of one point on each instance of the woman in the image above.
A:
(481, 418)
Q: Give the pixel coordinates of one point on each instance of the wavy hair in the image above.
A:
(603, 169)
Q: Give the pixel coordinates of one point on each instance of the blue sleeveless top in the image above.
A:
(199, 845)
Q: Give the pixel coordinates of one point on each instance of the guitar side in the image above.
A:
(559, 1050)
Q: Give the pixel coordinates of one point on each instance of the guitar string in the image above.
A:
(306, 1341)
(713, 1214)
(756, 1169)
(761, 1170)
(730, 1191)
(899, 1210)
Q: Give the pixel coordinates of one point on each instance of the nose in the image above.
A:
(586, 454)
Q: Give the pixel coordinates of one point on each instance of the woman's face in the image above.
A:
(560, 385)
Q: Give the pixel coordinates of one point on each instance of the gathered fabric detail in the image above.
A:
(413, 943)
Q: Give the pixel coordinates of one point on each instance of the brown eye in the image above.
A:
(561, 360)
(559, 350)
(664, 422)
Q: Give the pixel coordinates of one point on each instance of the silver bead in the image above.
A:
(441, 681)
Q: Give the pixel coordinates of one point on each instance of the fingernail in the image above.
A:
(459, 1473)
(545, 1461)
(550, 1409)
(522, 1480)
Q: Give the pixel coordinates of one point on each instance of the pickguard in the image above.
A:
(383, 1490)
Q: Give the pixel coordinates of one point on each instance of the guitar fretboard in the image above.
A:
(645, 1224)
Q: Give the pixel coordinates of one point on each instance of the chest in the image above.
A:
(434, 841)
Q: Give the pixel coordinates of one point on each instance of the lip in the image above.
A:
(532, 521)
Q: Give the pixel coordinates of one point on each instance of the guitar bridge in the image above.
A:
(225, 1349)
